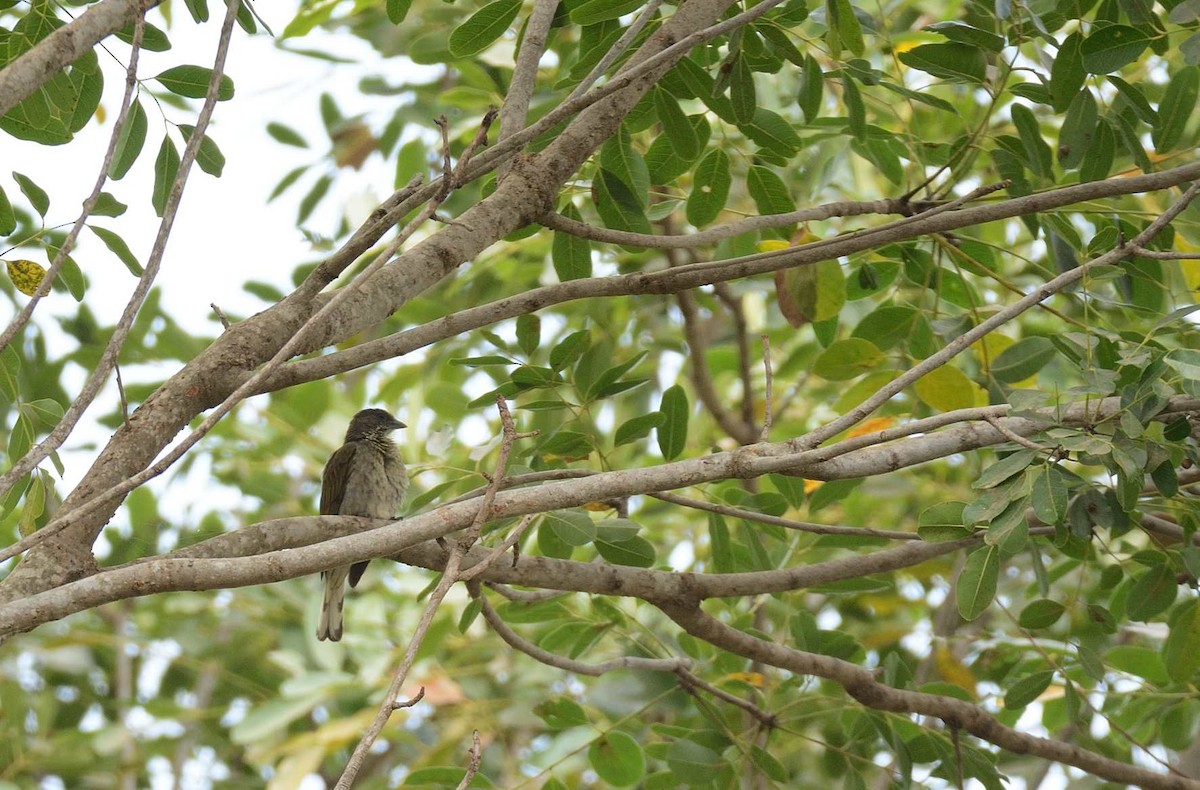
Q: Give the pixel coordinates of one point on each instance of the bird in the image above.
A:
(364, 477)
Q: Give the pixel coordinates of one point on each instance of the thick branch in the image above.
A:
(64, 46)
(860, 684)
(681, 278)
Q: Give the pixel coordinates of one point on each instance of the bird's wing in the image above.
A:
(333, 482)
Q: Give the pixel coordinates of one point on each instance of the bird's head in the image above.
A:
(372, 424)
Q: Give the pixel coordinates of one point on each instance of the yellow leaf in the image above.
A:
(952, 670)
(25, 275)
(751, 678)
(812, 485)
(873, 425)
(947, 389)
(597, 507)
(772, 245)
(988, 347)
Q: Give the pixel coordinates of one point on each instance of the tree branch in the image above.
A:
(860, 684)
(20, 78)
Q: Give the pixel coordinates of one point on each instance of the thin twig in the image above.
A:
(474, 758)
(616, 50)
(675, 279)
(121, 395)
(518, 642)
(734, 305)
(525, 596)
(22, 318)
(690, 680)
(963, 341)
(714, 234)
(798, 526)
(524, 78)
(509, 542)
(1165, 255)
(1013, 436)
(97, 377)
(767, 396)
(220, 315)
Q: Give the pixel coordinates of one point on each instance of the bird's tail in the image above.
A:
(330, 625)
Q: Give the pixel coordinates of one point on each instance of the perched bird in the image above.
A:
(364, 477)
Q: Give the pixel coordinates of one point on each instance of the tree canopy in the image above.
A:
(797, 392)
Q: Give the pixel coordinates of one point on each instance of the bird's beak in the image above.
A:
(398, 424)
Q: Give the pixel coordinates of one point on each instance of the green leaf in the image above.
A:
(198, 9)
(592, 12)
(976, 587)
(286, 135)
(953, 61)
(569, 349)
(397, 10)
(1005, 468)
(1138, 661)
(636, 552)
(1109, 48)
(1048, 494)
(1181, 651)
(1185, 362)
(119, 248)
(679, 129)
(1067, 75)
(192, 82)
(617, 204)
(36, 196)
(529, 332)
(571, 255)
(808, 294)
(942, 522)
(129, 141)
(209, 156)
(561, 713)
(720, 548)
(710, 188)
(742, 95)
(1037, 153)
(1098, 160)
(773, 132)
(10, 371)
(1176, 108)
(637, 428)
(166, 167)
(966, 34)
(812, 86)
(314, 196)
(483, 27)
(768, 191)
(573, 527)
(1027, 689)
(21, 438)
(672, 433)
(849, 31)
(1153, 592)
(8, 218)
(856, 112)
(1041, 613)
(153, 38)
(847, 359)
(1078, 130)
(694, 764)
(1022, 359)
(108, 206)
